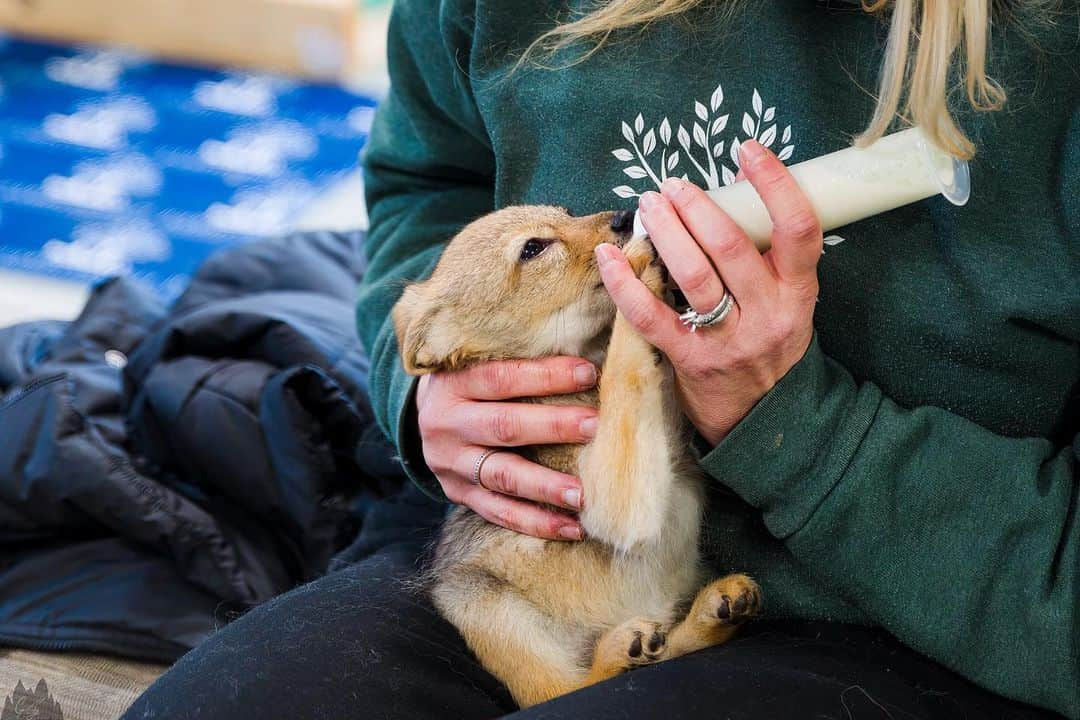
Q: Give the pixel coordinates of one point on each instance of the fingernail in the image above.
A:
(585, 375)
(673, 186)
(572, 498)
(750, 152)
(588, 427)
(648, 200)
(570, 532)
(604, 254)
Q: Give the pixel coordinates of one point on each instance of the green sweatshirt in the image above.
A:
(917, 470)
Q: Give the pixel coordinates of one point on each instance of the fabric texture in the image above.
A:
(73, 686)
(918, 470)
(141, 507)
(360, 643)
(116, 162)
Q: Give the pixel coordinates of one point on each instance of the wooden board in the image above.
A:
(311, 38)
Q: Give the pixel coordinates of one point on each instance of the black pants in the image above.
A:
(359, 644)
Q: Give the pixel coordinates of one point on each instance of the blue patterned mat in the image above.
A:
(114, 164)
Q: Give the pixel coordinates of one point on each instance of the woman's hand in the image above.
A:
(462, 414)
(723, 370)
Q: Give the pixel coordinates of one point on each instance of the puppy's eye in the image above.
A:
(532, 248)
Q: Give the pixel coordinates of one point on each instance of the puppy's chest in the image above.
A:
(563, 457)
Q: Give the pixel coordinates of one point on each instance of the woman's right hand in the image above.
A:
(464, 413)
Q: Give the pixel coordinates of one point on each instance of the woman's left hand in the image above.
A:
(723, 370)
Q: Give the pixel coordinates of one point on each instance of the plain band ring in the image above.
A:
(693, 319)
(479, 464)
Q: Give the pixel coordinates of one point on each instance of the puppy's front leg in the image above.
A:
(627, 472)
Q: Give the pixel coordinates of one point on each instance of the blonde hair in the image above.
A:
(925, 39)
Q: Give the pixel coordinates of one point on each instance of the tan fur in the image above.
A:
(550, 617)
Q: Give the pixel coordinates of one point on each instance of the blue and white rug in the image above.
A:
(114, 164)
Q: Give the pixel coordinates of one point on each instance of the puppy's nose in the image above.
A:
(622, 222)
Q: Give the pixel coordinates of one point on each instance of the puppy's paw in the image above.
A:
(731, 600)
(654, 277)
(646, 264)
(640, 253)
(635, 642)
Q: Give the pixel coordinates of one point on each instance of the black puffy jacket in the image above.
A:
(161, 468)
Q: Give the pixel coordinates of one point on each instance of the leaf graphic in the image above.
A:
(701, 111)
(639, 124)
(622, 154)
(699, 136)
(665, 132)
(747, 125)
(727, 175)
(768, 136)
(718, 125)
(684, 138)
(734, 152)
(757, 103)
(717, 98)
(649, 143)
(833, 240)
(635, 171)
(769, 114)
(624, 191)
(672, 160)
(786, 152)
(627, 133)
(786, 137)
(718, 149)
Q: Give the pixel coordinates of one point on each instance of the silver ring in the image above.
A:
(693, 319)
(479, 464)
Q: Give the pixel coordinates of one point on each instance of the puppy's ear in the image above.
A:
(426, 333)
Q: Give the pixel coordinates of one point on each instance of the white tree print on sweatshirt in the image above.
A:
(663, 151)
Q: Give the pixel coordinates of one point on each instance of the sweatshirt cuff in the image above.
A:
(401, 417)
(410, 449)
(793, 447)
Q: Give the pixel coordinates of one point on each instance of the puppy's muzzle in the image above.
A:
(622, 223)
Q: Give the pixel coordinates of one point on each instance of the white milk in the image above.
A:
(853, 184)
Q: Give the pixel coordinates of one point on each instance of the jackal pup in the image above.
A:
(549, 617)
